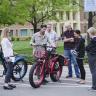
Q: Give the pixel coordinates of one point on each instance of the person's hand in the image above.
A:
(30, 44)
(71, 40)
(33, 44)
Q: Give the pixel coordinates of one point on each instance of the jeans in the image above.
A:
(92, 66)
(72, 60)
(9, 72)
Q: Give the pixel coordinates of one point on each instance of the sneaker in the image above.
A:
(7, 88)
(81, 82)
(68, 76)
(11, 85)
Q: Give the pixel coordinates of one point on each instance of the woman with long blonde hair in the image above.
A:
(9, 57)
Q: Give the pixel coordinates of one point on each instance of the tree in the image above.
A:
(9, 13)
(91, 15)
(33, 11)
(6, 14)
(39, 11)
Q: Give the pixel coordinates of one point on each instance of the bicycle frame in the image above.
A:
(48, 64)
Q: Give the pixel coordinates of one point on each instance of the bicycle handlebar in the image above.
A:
(44, 46)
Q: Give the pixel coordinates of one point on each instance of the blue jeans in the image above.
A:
(72, 60)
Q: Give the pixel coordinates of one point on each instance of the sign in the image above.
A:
(90, 5)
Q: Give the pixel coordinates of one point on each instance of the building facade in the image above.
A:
(20, 30)
(77, 20)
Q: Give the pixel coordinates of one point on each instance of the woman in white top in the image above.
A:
(8, 55)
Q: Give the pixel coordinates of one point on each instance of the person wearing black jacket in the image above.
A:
(80, 49)
(91, 52)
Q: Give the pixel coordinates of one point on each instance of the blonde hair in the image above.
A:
(91, 31)
(5, 32)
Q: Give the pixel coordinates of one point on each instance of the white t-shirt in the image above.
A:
(7, 48)
(52, 38)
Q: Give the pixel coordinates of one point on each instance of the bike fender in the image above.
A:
(18, 58)
(52, 66)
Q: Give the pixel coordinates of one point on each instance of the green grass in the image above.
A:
(24, 48)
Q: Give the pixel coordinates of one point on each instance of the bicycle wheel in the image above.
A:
(36, 75)
(57, 71)
(19, 70)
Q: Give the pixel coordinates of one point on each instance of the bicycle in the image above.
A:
(19, 67)
(47, 63)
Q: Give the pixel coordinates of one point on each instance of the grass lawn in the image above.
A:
(24, 48)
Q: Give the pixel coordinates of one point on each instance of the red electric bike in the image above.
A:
(48, 63)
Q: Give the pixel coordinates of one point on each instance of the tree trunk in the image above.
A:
(90, 24)
(90, 20)
(35, 27)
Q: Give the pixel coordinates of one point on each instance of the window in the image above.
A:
(75, 26)
(61, 28)
(23, 32)
(74, 15)
(61, 15)
(16, 32)
(53, 13)
(11, 33)
(67, 15)
(55, 27)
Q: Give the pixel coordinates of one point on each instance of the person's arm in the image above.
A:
(80, 45)
(68, 39)
(32, 41)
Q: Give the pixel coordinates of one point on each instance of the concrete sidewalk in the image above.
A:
(64, 87)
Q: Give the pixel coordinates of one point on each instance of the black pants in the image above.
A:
(92, 66)
(81, 67)
(9, 72)
(3, 61)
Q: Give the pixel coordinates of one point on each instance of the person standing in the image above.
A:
(80, 49)
(9, 58)
(69, 46)
(52, 35)
(40, 38)
(91, 52)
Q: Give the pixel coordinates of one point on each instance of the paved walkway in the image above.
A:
(64, 87)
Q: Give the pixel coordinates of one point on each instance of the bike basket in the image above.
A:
(39, 53)
(63, 61)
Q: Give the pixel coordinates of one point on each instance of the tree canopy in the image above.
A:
(33, 11)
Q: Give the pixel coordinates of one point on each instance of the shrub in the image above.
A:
(25, 38)
(12, 38)
(15, 38)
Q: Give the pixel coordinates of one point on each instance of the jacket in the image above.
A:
(91, 47)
